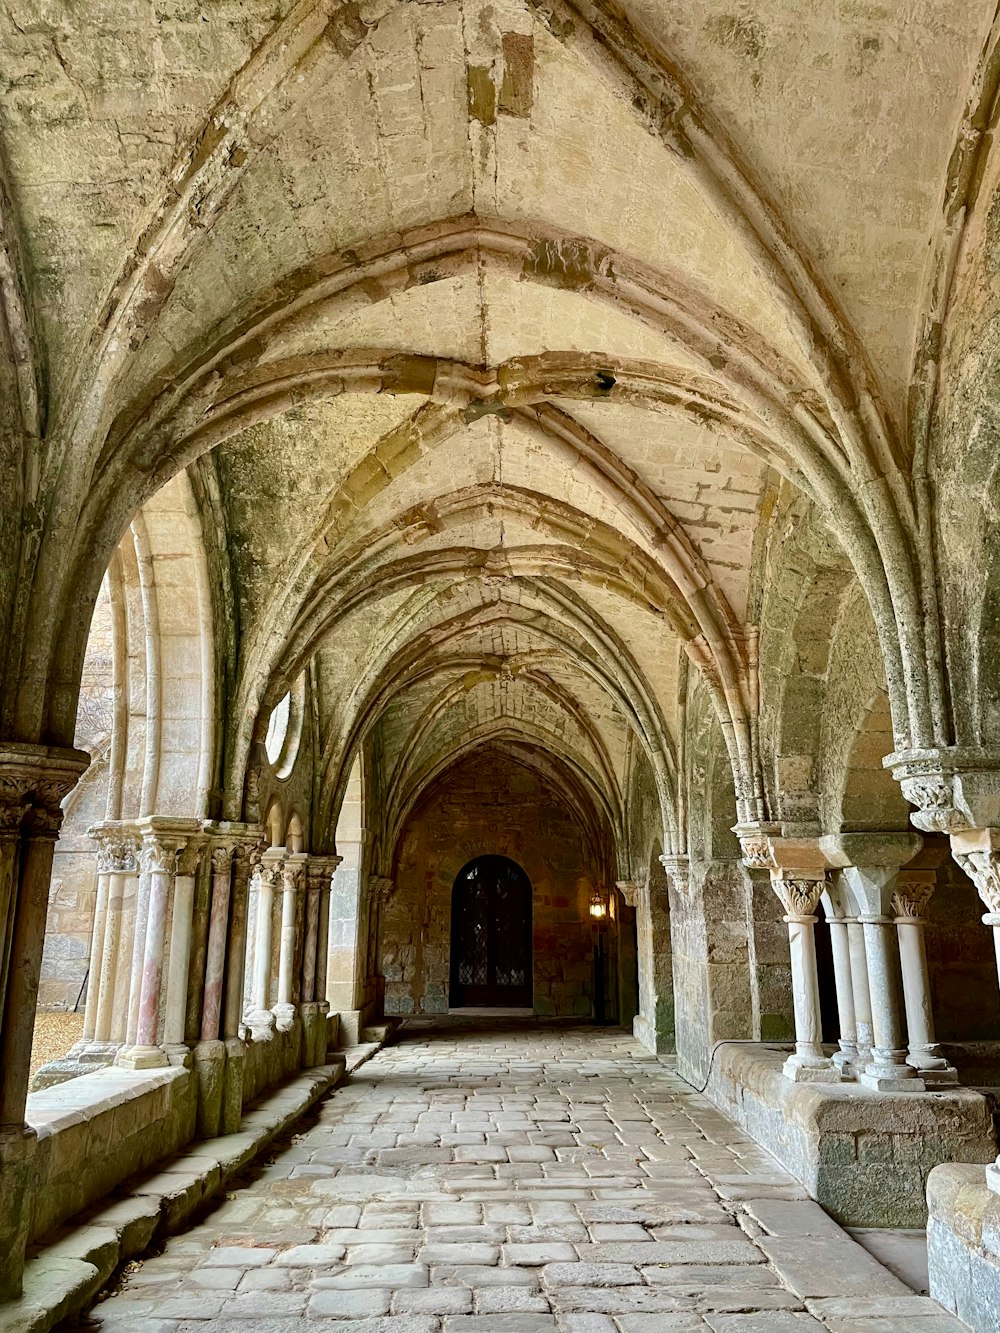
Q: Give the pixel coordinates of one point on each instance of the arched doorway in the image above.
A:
(491, 935)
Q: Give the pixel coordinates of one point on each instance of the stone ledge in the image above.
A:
(63, 1278)
(963, 1245)
(864, 1155)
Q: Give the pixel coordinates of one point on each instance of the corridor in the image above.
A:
(515, 1179)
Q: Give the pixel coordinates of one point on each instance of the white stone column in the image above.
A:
(118, 853)
(909, 902)
(887, 1071)
(800, 897)
(96, 950)
(260, 1018)
(292, 875)
(846, 1058)
(862, 995)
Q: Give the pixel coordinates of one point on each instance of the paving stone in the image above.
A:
(350, 1304)
(380, 1275)
(501, 1323)
(460, 1254)
(770, 1321)
(433, 1300)
(591, 1275)
(541, 1253)
(238, 1256)
(310, 1256)
(505, 1300)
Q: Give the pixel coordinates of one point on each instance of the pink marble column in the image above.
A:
(218, 929)
(118, 858)
(312, 934)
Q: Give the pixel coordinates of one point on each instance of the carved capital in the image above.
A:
(954, 789)
(320, 870)
(912, 893)
(117, 848)
(983, 868)
(159, 853)
(756, 844)
(629, 890)
(799, 896)
(34, 780)
(223, 854)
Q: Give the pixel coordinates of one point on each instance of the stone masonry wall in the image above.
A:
(488, 804)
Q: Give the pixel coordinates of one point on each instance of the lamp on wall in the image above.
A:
(598, 911)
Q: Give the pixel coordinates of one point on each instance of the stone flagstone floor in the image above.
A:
(506, 1179)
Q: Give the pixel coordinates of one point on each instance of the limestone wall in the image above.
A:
(485, 807)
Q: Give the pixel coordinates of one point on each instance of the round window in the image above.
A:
(284, 729)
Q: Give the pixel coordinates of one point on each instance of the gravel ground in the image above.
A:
(55, 1033)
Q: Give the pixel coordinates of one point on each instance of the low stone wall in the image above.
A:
(963, 1245)
(97, 1130)
(864, 1155)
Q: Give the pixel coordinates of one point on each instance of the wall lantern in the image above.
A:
(597, 905)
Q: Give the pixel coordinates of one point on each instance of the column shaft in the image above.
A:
(96, 954)
(888, 1067)
(845, 991)
(218, 930)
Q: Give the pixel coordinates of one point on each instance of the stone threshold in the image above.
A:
(64, 1276)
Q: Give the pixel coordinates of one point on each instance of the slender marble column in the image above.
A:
(138, 949)
(218, 932)
(872, 887)
(179, 953)
(862, 995)
(159, 856)
(96, 951)
(268, 875)
(909, 902)
(291, 880)
(846, 1058)
(119, 852)
(312, 934)
(245, 859)
(800, 897)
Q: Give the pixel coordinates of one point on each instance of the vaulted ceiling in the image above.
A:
(491, 325)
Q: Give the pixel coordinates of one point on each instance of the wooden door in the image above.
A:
(491, 936)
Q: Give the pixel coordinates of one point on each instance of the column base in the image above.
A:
(891, 1078)
(261, 1023)
(284, 1017)
(179, 1055)
(807, 1069)
(142, 1057)
(17, 1151)
(846, 1060)
(932, 1067)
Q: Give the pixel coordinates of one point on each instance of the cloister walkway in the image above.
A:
(511, 1179)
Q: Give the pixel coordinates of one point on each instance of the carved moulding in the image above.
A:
(954, 788)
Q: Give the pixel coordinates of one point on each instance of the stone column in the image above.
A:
(909, 902)
(33, 782)
(260, 1018)
(800, 897)
(315, 1007)
(797, 868)
(96, 952)
(862, 995)
(119, 852)
(163, 840)
(834, 898)
(292, 874)
(246, 856)
(179, 952)
(218, 933)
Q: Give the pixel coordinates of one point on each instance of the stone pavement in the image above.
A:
(516, 1179)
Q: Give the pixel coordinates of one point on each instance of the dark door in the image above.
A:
(491, 935)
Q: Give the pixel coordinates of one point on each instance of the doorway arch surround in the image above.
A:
(491, 935)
